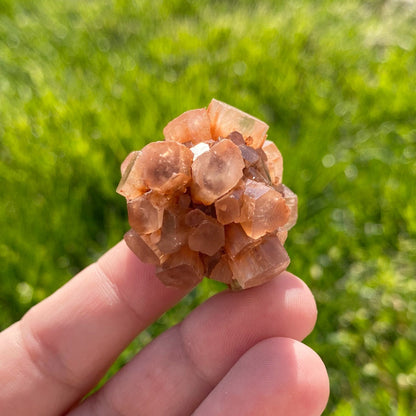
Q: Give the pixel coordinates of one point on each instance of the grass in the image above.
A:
(84, 83)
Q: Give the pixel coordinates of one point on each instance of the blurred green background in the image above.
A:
(82, 83)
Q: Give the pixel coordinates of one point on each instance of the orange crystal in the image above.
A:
(222, 271)
(261, 263)
(209, 200)
(225, 119)
(144, 250)
(144, 216)
(228, 207)
(164, 167)
(207, 237)
(274, 161)
(216, 172)
(184, 269)
(264, 208)
(192, 126)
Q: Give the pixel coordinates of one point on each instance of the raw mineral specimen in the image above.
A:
(209, 200)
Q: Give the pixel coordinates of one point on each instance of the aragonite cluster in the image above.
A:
(209, 200)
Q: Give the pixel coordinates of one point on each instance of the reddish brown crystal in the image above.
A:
(191, 126)
(209, 200)
(166, 166)
(207, 237)
(206, 234)
(129, 159)
(274, 161)
(256, 174)
(251, 156)
(210, 262)
(183, 269)
(225, 119)
(228, 207)
(195, 217)
(262, 262)
(131, 185)
(264, 208)
(292, 203)
(282, 236)
(173, 233)
(222, 271)
(236, 137)
(144, 217)
(142, 249)
(236, 240)
(216, 172)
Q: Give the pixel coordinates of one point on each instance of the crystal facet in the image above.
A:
(274, 161)
(264, 208)
(264, 261)
(131, 184)
(222, 271)
(191, 126)
(216, 172)
(228, 207)
(142, 249)
(292, 203)
(144, 217)
(207, 237)
(225, 119)
(209, 200)
(184, 269)
(166, 166)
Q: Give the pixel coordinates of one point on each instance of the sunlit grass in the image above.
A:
(84, 83)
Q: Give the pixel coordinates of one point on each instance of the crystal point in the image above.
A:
(226, 119)
(145, 251)
(131, 184)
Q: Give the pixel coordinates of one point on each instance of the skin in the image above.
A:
(236, 354)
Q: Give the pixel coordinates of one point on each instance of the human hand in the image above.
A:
(236, 354)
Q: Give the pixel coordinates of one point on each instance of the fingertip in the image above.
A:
(313, 379)
(287, 292)
(299, 298)
(300, 368)
(276, 376)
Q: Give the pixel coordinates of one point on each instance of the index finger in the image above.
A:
(63, 346)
